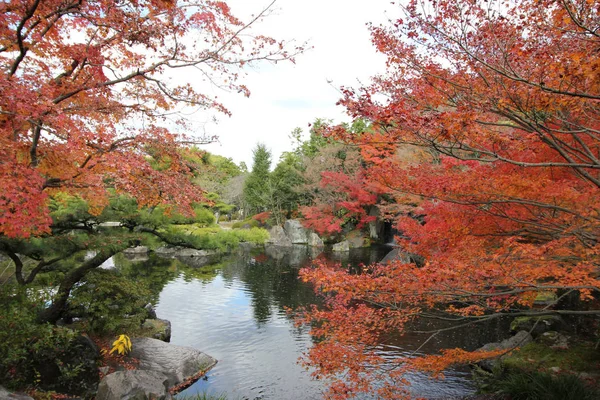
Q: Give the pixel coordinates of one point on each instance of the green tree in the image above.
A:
(257, 188)
(316, 141)
(286, 181)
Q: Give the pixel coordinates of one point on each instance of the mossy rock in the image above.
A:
(579, 357)
(545, 298)
(537, 325)
(357, 239)
(155, 328)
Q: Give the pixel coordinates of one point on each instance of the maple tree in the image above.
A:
(503, 99)
(335, 185)
(92, 105)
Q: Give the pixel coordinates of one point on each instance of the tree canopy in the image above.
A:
(92, 123)
(499, 103)
(85, 89)
(257, 187)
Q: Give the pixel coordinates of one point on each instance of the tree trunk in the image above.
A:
(56, 309)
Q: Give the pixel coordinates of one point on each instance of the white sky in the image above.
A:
(286, 96)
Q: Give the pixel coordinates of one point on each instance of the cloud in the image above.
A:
(285, 96)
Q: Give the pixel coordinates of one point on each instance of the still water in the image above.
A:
(234, 310)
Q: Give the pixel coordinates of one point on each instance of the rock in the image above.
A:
(246, 247)
(150, 310)
(591, 376)
(314, 252)
(342, 257)
(556, 370)
(356, 239)
(185, 252)
(6, 395)
(295, 231)
(136, 250)
(278, 237)
(135, 385)
(537, 325)
(167, 251)
(197, 258)
(403, 256)
(520, 339)
(395, 254)
(178, 363)
(109, 264)
(554, 340)
(341, 246)
(545, 299)
(297, 256)
(277, 253)
(314, 240)
(137, 257)
(158, 329)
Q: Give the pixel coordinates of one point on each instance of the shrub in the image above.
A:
(252, 235)
(204, 216)
(262, 217)
(543, 386)
(246, 224)
(41, 355)
(109, 302)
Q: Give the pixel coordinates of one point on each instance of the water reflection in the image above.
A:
(235, 311)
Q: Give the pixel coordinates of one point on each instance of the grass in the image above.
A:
(580, 357)
(216, 238)
(543, 386)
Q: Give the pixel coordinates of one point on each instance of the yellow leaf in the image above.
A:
(122, 345)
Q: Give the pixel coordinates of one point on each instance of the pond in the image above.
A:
(234, 310)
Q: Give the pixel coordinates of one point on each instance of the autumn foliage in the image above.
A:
(503, 99)
(91, 90)
(94, 99)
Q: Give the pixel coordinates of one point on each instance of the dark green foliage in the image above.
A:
(218, 204)
(218, 239)
(543, 386)
(202, 216)
(41, 355)
(246, 224)
(109, 302)
(286, 181)
(316, 141)
(257, 188)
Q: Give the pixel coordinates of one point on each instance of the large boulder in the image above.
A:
(537, 325)
(314, 240)
(178, 363)
(136, 250)
(136, 258)
(356, 239)
(341, 246)
(134, 385)
(403, 256)
(277, 253)
(554, 340)
(278, 237)
(520, 339)
(167, 251)
(295, 231)
(186, 252)
(298, 255)
(197, 258)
